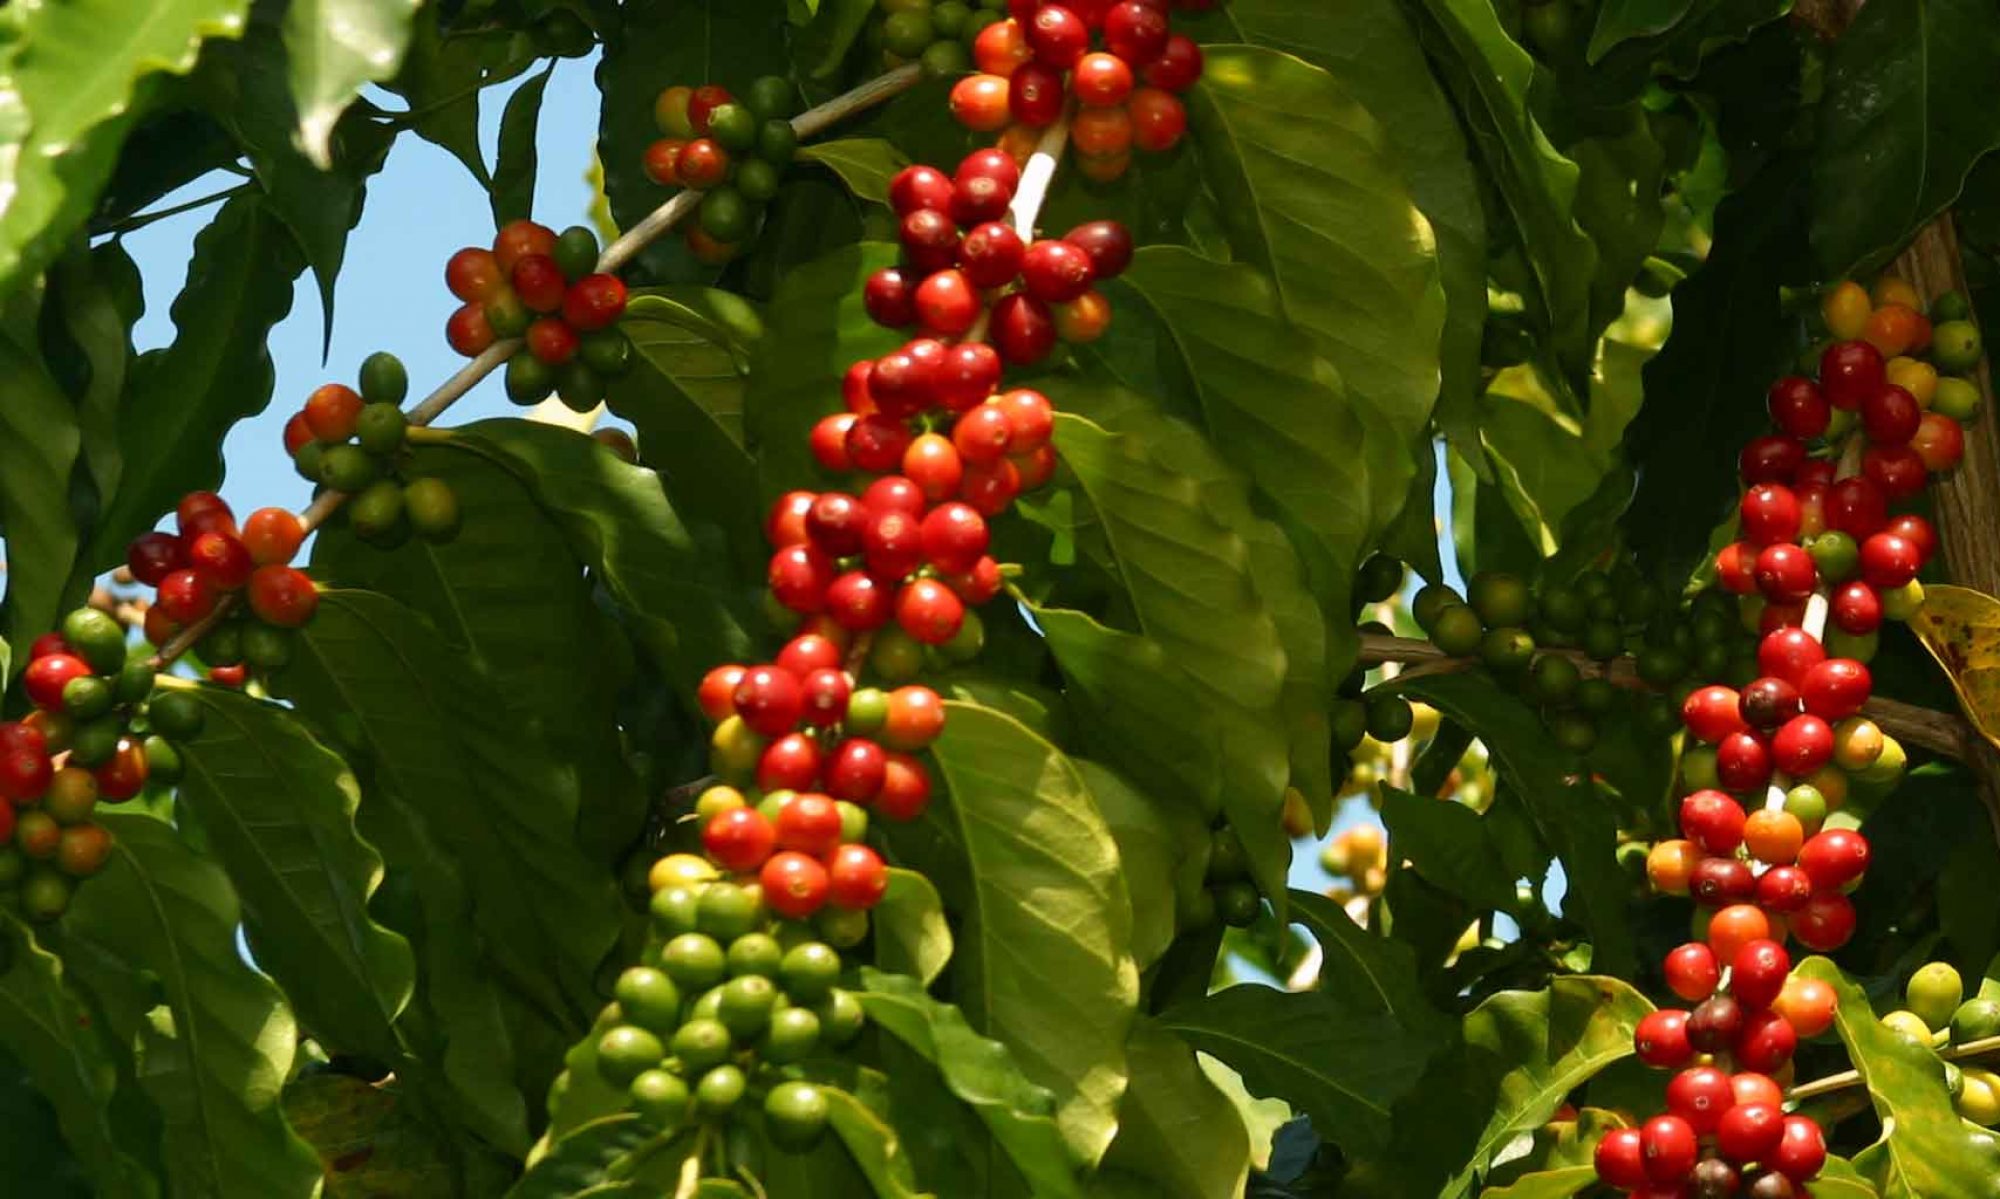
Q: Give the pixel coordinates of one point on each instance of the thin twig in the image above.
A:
(133, 223)
(1940, 732)
(619, 252)
(1851, 1078)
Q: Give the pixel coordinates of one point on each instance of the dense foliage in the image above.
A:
(881, 771)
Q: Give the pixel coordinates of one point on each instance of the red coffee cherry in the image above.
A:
(1108, 244)
(877, 443)
(1742, 762)
(930, 239)
(1939, 442)
(769, 700)
(786, 523)
(1022, 329)
(1856, 608)
(915, 718)
(1915, 529)
(552, 341)
(1801, 1150)
(828, 442)
(856, 878)
(1771, 459)
(467, 332)
(919, 187)
(1712, 820)
(970, 372)
(834, 524)
(1769, 513)
(856, 771)
(906, 788)
(1897, 470)
(739, 839)
(46, 677)
(1734, 567)
(717, 693)
(933, 464)
(806, 653)
(1788, 654)
(1785, 573)
(1669, 1147)
(331, 411)
(1178, 66)
(1889, 415)
(1692, 971)
(1158, 119)
(1798, 408)
(991, 254)
(1748, 1132)
(1699, 1095)
(947, 304)
(1135, 32)
(893, 493)
(929, 612)
(990, 486)
(827, 691)
(1802, 745)
(539, 282)
(858, 602)
(1620, 1159)
(892, 543)
(1714, 1024)
(1054, 271)
(799, 577)
(1768, 702)
(1849, 372)
(221, 559)
(791, 763)
(1834, 859)
(283, 596)
(809, 823)
(153, 556)
(1757, 973)
(1712, 713)
(1783, 889)
(1889, 560)
(186, 596)
(473, 274)
(1856, 507)
(954, 537)
(980, 103)
(889, 296)
(1824, 923)
(1717, 882)
(1101, 79)
(1660, 1039)
(1057, 37)
(794, 884)
(1035, 95)
(1835, 688)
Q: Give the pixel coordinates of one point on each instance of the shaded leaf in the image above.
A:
(1043, 959)
(1896, 135)
(368, 1142)
(823, 43)
(1163, 853)
(864, 164)
(873, 1146)
(1448, 845)
(1622, 20)
(1188, 578)
(1370, 49)
(48, 1034)
(39, 442)
(182, 400)
(982, 1073)
(1177, 1129)
(814, 328)
(1489, 77)
(1557, 794)
(514, 168)
(688, 610)
(1308, 192)
(333, 48)
(70, 88)
(576, 1163)
(276, 809)
(1925, 1149)
(685, 396)
(440, 742)
(215, 1057)
(1545, 1043)
(911, 935)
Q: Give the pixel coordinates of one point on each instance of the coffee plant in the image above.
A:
(1194, 598)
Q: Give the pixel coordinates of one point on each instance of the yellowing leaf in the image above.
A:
(1961, 628)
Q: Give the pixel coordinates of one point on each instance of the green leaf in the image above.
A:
(87, 294)
(508, 592)
(1558, 1146)
(276, 809)
(334, 47)
(1309, 193)
(182, 400)
(33, 1142)
(442, 743)
(1365, 971)
(823, 44)
(1214, 733)
(1370, 49)
(690, 614)
(576, 1163)
(873, 1146)
(244, 87)
(1731, 336)
(1925, 1149)
(441, 78)
(1545, 1184)
(1897, 135)
(1344, 1068)
(1276, 409)
(1622, 20)
(814, 328)
(911, 934)
(514, 171)
(370, 1139)
(981, 1072)
(864, 164)
(50, 1035)
(1177, 1130)
(1489, 77)
(1162, 851)
(213, 1059)
(1556, 790)
(1547, 1043)
(71, 85)
(685, 395)
(726, 42)
(1838, 1179)
(39, 441)
(1043, 959)
(1619, 181)
(1448, 845)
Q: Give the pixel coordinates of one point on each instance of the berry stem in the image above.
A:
(659, 221)
(1940, 732)
(1983, 1047)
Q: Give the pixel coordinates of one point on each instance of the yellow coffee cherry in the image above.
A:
(1979, 1101)
(680, 870)
(1891, 290)
(1918, 378)
(1846, 309)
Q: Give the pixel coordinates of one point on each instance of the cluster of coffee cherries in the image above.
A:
(543, 287)
(938, 36)
(99, 731)
(352, 441)
(817, 755)
(960, 256)
(211, 558)
(732, 150)
(1936, 1014)
(1725, 1131)
(1554, 644)
(1118, 61)
(723, 1008)
(1929, 352)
